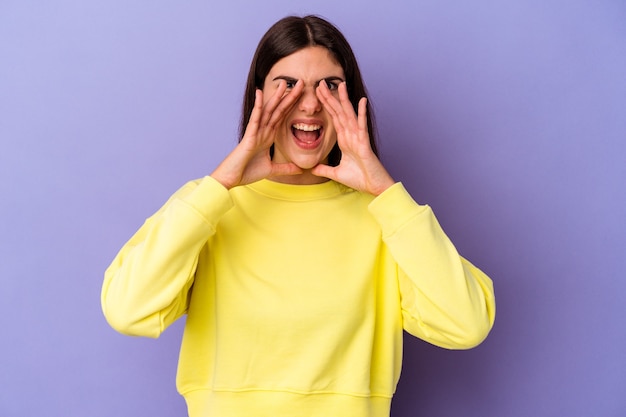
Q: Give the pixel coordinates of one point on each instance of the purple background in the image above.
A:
(509, 118)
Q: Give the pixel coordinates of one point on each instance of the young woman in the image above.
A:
(299, 261)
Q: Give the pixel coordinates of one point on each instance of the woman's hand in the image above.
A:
(250, 161)
(359, 167)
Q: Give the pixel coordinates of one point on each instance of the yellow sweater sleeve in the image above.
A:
(445, 299)
(146, 286)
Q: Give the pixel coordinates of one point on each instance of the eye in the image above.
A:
(291, 83)
(332, 85)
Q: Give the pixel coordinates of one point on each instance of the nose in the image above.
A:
(309, 103)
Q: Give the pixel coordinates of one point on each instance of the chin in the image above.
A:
(307, 164)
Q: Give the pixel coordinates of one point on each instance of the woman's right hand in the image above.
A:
(250, 161)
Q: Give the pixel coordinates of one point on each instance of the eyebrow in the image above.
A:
(332, 78)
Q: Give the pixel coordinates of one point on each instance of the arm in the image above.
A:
(146, 287)
(250, 161)
(445, 299)
(359, 167)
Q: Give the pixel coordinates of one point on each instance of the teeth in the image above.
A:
(305, 127)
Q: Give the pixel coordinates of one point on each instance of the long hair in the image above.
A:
(290, 35)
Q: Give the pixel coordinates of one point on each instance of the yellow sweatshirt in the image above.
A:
(296, 296)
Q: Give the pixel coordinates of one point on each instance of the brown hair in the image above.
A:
(290, 35)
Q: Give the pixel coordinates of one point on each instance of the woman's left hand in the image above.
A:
(359, 167)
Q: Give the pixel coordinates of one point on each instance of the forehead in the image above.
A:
(312, 63)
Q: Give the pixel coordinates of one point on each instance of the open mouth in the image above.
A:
(307, 135)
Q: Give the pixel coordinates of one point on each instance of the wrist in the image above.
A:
(380, 188)
(224, 180)
(381, 183)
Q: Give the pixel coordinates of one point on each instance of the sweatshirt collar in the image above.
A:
(293, 192)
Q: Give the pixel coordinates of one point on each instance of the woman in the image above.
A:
(299, 261)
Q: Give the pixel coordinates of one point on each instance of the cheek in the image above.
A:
(330, 128)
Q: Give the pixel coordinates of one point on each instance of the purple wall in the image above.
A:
(510, 120)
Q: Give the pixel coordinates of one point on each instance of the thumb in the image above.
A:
(288, 168)
(326, 171)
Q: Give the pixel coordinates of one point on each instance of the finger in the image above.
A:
(255, 116)
(332, 106)
(362, 117)
(343, 115)
(342, 104)
(288, 168)
(283, 103)
(330, 103)
(344, 99)
(288, 101)
(272, 102)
